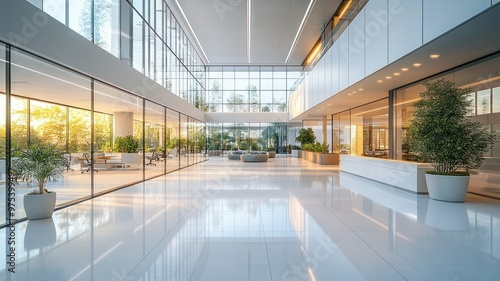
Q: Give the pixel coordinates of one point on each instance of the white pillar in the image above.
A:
(325, 137)
(123, 124)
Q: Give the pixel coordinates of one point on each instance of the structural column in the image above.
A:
(123, 124)
(324, 131)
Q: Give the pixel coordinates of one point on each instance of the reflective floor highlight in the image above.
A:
(285, 219)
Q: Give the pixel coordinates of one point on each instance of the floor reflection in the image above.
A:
(280, 220)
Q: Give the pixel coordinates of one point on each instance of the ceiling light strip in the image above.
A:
(249, 28)
(301, 27)
(192, 30)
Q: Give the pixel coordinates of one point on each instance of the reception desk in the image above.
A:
(402, 174)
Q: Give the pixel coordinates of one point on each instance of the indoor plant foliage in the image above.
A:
(42, 162)
(127, 144)
(443, 135)
(306, 136)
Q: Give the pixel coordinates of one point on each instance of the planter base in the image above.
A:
(447, 188)
(39, 206)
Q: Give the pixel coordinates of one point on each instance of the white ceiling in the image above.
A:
(221, 28)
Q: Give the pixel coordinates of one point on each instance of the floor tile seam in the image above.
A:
(265, 244)
(361, 238)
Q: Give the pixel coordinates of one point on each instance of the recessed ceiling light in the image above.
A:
(379, 81)
(434, 56)
(299, 31)
(417, 64)
(404, 69)
(388, 77)
(360, 89)
(191, 29)
(396, 73)
(354, 92)
(350, 94)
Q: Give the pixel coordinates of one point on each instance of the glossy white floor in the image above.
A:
(286, 219)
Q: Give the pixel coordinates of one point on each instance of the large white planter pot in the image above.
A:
(39, 206)
(447, 188)
(296, 153)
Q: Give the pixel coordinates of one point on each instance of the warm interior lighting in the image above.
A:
(360, 89)
(379, 81)
(404, 69)
(249, 27)
(388, 77)
(345, 9)
(312, 56)
(481, 82)
(299, 31)
(434, 56)
(311, 274)
(192, 31)
(397, 73)
(417, 64)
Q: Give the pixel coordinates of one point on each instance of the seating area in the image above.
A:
(254, 156)
(107, 161)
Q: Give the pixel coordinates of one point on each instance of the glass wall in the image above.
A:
(42, 94)
(317, 126)
(362, 131)
(246, 136)
(250, 88)
(182, 141)
(172, 143)
(89, 122)
(144, 34)
(154, 132)
(3, 134)
(484, 80)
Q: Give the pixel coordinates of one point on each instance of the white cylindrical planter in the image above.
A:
(447, 188)
(39, 206)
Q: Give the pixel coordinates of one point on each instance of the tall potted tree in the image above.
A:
(41, 163)
(305, 137)
(443, 135)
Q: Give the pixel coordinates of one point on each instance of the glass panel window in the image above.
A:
(496, 99)
(138, 43)
(80, 18)
(106, 25)
(57, 9)
(483, 102)
(472, 108)
(172, 143)
(154, 142)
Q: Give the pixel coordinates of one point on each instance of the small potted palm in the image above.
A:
(41, 163)
(443, 135)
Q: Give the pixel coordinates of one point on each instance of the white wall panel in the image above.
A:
(357, 48)
(327, 78)
(441, 16)
(376, 26)
(335, 68)
(405, 27)
(343, 60)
